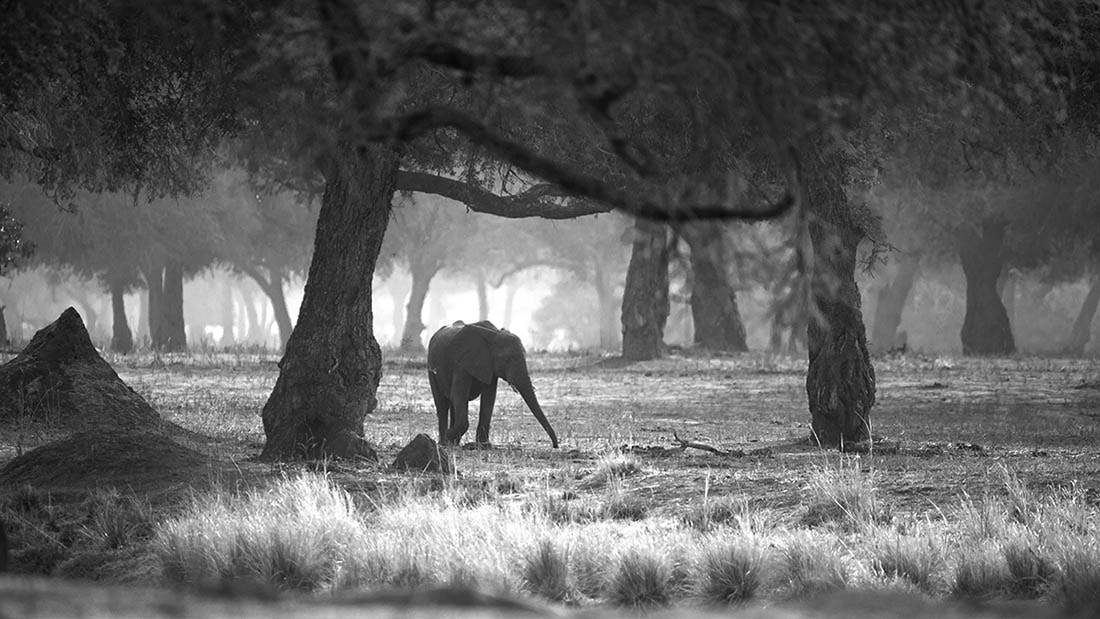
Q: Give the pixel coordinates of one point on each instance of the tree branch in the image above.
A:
(416, 124)
(534, 202)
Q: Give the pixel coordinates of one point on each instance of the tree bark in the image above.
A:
(890, 304)
(422, 276)
(840, 381)
(986, 329)
(328, 377)
(122, 340)
(714, 309)
(172, 308)
(1082, 327)
(645, 297)
(5, 341)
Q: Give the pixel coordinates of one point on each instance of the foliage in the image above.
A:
(12, 246)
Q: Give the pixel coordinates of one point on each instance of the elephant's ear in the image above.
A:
(472, 353)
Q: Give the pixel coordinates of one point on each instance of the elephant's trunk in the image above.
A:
(527, 392)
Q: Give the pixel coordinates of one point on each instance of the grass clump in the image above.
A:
(916, 559)
(980, 572)
(297, 534)
(731, 574)
(546, 572)
(844, 495)
(811, 565)
(712, 513)
(611, 468)
(115, 520)
(641, 577)
(1030, 571)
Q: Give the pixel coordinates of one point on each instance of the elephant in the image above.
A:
(464, 362)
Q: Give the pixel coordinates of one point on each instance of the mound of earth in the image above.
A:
(60, 380)
(107, 458)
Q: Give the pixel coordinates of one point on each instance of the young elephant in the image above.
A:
(464, 362)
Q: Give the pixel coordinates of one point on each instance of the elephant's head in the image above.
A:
(487, 352)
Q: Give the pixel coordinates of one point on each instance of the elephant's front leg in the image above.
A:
(485, 417)
(460, 411)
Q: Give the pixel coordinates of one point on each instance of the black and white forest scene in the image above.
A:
(562, 308)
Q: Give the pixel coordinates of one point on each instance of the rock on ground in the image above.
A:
(422, 454)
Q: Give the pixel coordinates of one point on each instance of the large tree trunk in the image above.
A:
(253, 334)
(605, 298)
(1082, 327)
(714, 310)
(509, 305)
(986, 329)
(645, 297)
(840, 381)
(122, 340)
(422, 276)
(328, 377)
(172, 308)
(890, 304)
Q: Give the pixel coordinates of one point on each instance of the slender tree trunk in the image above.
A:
(509, 305)
(398, 293)
(986, 329)
(890, 304)
(172, 314)
(252, 334)
(154, 281)
(840, 381)
(272, 286)
(122, 340)
(328, 377)
(605, 298)
(1006, 289)
(482, 296)
(422, 276)
(714, 309)
(5, 341)
(227, 315)
(1082, 327)
(645, 297)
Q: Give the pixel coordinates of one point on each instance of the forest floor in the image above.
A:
(948, 431)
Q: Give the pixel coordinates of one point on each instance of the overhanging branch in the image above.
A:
(416, 124)
(537, 201)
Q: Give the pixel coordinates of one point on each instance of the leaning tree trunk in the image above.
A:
(840, 381)
(122, 340)
(328, 377)
(986, 329)
(1082, 327)
(714, 309)
(422, 276)
(645, 295)
(172, 314)
(272, 286)
(890, 304)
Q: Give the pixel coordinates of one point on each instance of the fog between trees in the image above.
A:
(959, 136)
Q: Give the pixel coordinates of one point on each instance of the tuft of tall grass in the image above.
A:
(810, 565)
(641, 577)
(115, 520)
(546, 572)
(611, 468)
(916, 559)
(1076, 586)
(844, 495)
(715, 512)
(732, 573)
(980, 571)
(297, 534)
(1031, 571)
